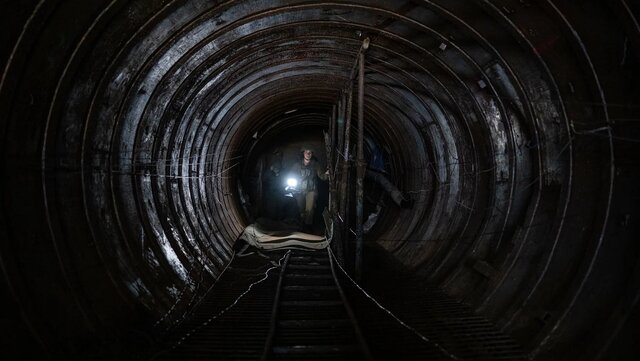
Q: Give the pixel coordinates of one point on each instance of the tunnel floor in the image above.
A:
(300, 305)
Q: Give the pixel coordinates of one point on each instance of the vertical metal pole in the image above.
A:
(341, 117)
(360, 171)
(344, 180)
(345, 153)
(349, 248)
(344, 193)
(328, 147)
(332, 134)
(333, 180)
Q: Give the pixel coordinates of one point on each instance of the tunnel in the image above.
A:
(131, 131)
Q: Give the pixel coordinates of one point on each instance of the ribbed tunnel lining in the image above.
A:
(127, 126)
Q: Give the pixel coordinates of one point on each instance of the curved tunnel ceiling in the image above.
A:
(512, 125)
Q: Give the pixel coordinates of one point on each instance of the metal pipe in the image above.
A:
(337, 225)
(329, 148)
(332, 135)
(345, 154)
(340, 125)
(360, 169)
(354, 68)
(386, 184)
(347, 133)
(333, 179)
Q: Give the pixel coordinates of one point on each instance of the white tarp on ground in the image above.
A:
(266, 239)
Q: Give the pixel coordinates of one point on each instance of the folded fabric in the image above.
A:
(265, 239)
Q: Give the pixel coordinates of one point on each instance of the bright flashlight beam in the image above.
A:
(292, 182)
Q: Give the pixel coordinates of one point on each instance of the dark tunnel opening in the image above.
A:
(269, 166)
(131, 134)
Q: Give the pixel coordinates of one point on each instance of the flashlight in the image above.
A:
(292, 182)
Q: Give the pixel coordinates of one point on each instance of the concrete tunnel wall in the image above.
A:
(513, 125)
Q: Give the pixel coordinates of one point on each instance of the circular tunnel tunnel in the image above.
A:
(128, 129)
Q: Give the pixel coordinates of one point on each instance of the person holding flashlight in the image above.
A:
(305, 172)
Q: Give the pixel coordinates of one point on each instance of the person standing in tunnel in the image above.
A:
(307, 170)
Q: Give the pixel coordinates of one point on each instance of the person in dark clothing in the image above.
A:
(307, 171)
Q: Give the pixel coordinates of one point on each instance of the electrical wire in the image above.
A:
(404, 324)
(216, 316)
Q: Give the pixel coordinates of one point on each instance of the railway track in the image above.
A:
(296, 311)
(311, 319)
(297, 305)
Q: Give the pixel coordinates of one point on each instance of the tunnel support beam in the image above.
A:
(332, 159)
(345, 163)
(361, 164)
(356, 70)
